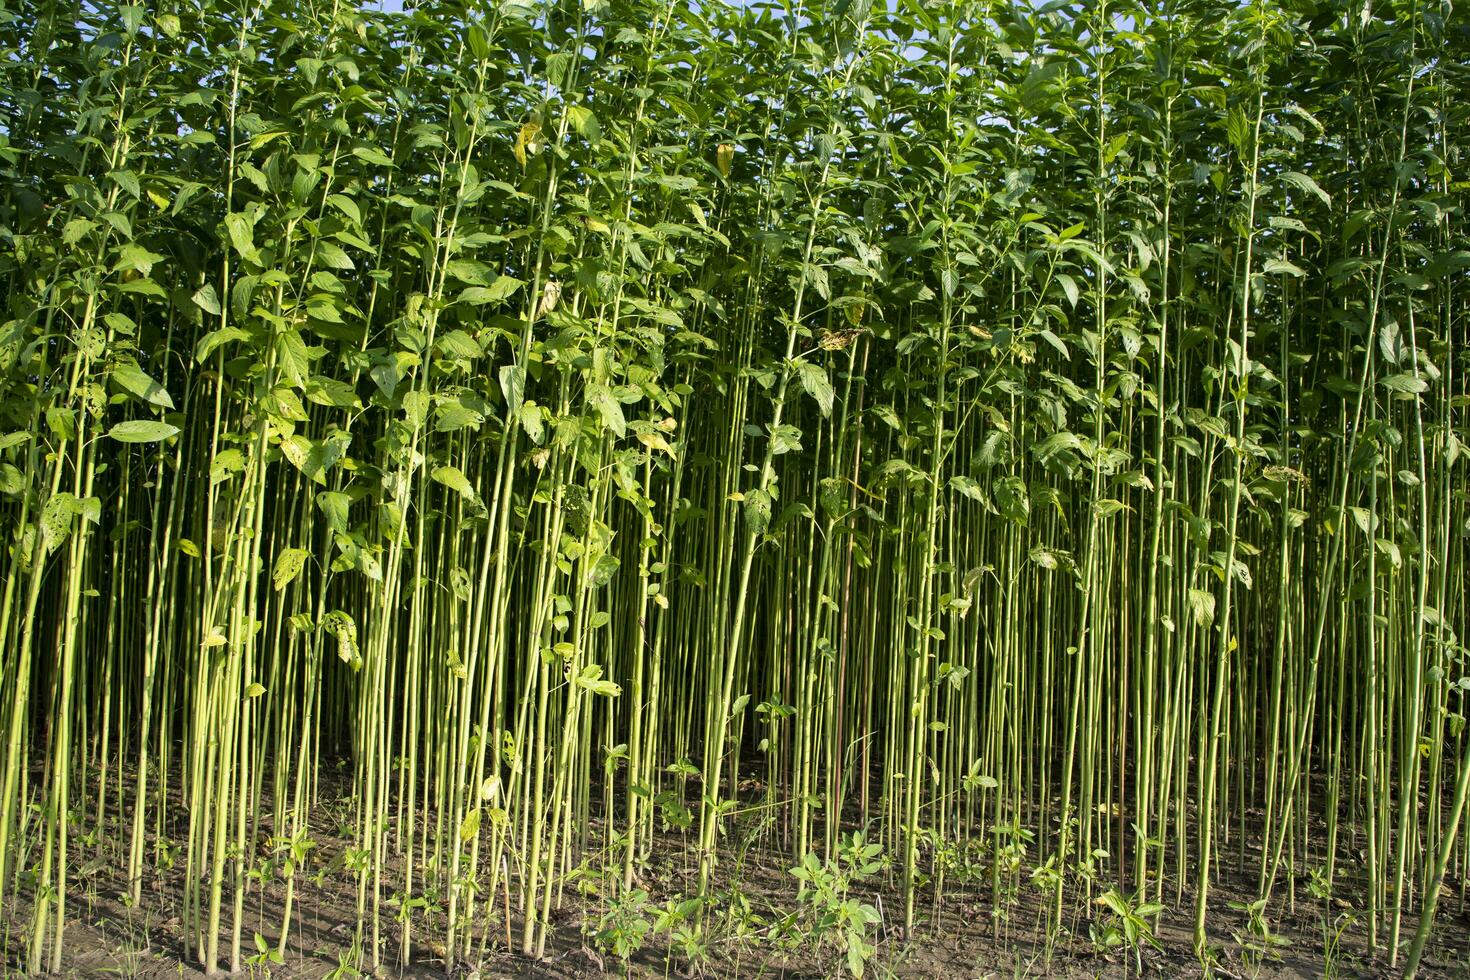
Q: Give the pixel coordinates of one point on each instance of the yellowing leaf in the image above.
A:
(288, 566)
(528, 141)
(655, 441)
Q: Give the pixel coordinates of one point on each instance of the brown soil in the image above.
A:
(966, 935)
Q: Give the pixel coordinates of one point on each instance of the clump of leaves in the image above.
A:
(679, 920)
(1331, 929)
(624, 926)
(1126, 924)
(263, 958)
(835, 925)
(1259, 943)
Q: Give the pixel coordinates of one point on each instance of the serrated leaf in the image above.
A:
(814, 380)
(213, 340)
(1390, 342)
(458, 344)
(1405, 383)
(1202, 604)
(785, 439)
(134, 380)
(292, 357)
(513, 387)
(757, 511)
(610, 410)
(241, 232)
(332, 255)
(530, 416)
(1302, 182)
(454, 479)
(968, 487)
(1281, 267)
(502, 289)
(331, 393)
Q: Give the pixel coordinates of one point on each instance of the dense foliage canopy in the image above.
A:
(1032, 434)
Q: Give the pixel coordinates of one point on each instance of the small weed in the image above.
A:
(1128, 925)
(830, 920)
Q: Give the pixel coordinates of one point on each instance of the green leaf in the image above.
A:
(140, 430)
(131, 378)
(241, 231)
(207, 300)
(1056, 342)
(332, 255)
(968, 487)
(1202, 604)
(331, 393)
(56, 520)
(530, 416)
(134, 257)
(1069, 286)
(458, 344)
(757, 511)
(62, 422)
(513, 388)
(584, 122)
(603, 570)
(1391, 343)
(814, 380)
(455, 480)
(76, 229)
(334, 506)
(499, 291)
(1405, 383)
(292, 356)
(347, 206)
(1274, 267)
(785, 439)
(373, 155)
(225, 464)
(609, 409)
(455, 412)
(315, 457)
(215, 339)
(591, 679)
(1302, 182)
